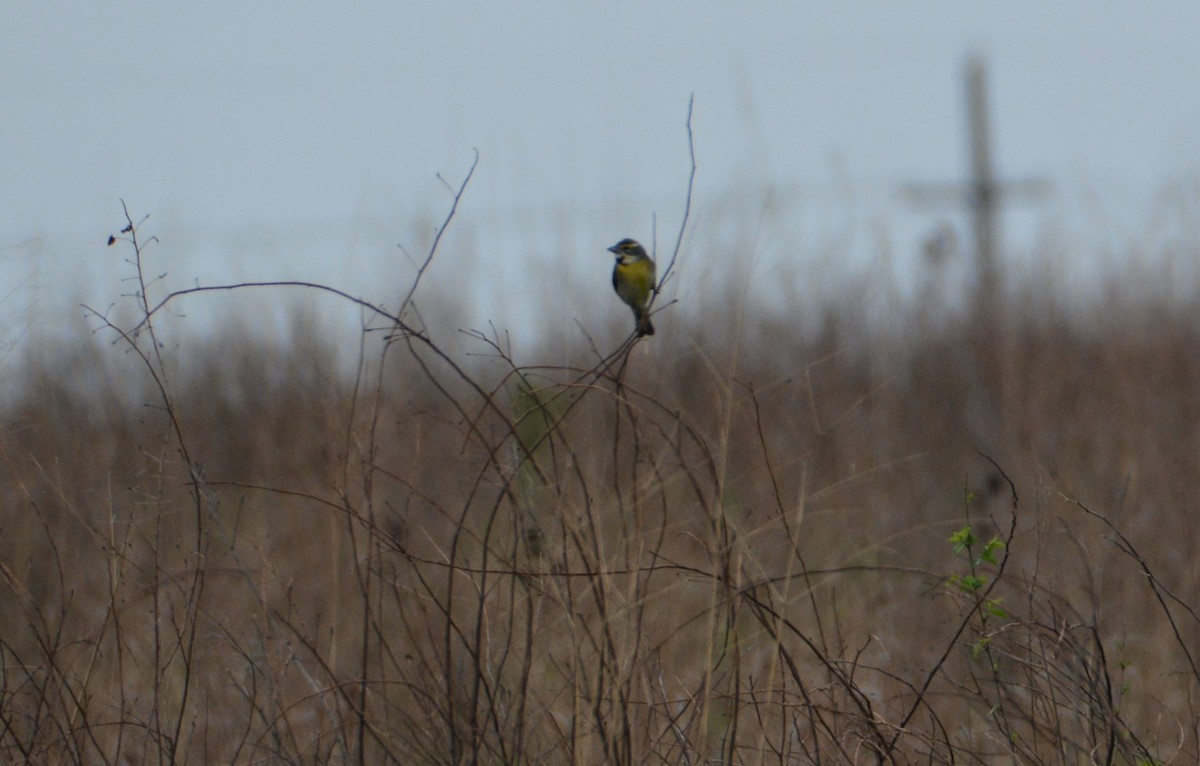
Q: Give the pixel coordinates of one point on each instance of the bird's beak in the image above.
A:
(614, 249)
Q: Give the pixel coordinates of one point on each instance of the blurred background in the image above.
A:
(939, 255)
(270, 142)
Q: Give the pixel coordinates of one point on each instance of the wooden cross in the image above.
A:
(983, 193)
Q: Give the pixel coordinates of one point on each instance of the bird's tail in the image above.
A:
(644, 326)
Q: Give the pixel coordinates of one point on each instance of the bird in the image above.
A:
(634, 280)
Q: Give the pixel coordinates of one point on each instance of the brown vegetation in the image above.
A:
(739, 546)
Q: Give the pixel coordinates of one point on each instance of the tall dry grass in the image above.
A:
(737, 544)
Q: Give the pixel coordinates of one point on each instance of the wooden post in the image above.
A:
(983, 194)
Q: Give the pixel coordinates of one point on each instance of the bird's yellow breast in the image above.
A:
(634, 281)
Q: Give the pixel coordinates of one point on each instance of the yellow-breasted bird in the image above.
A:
(634, 279)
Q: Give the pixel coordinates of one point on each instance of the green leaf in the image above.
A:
(992, 607)
(963, 539)
(989, 550)
(967, 583)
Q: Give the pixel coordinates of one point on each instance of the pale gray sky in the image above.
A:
(290, 140)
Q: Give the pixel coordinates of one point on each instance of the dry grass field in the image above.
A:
(729, 543)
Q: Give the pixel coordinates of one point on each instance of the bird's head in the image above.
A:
(629, 251)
